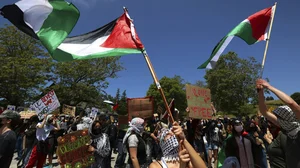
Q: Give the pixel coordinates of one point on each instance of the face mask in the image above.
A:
(97, 131)
(239, 128)
(219, 125)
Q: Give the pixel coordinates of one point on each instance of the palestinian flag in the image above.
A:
(116, 38)
(49, 21)
(251, 30)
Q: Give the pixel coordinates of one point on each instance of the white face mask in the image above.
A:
(238, 128)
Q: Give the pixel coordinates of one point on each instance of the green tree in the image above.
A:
(232, 82)
(84, 80)
(118, 96)
(25, 66)
(122, 104)
(200, 84)
(296, 97)
(173, 88)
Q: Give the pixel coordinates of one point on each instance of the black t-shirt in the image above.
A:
(292, 152)
(7, 147)
(276, 152)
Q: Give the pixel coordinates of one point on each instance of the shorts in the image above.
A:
(213, 146)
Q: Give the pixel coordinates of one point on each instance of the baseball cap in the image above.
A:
(10, 115)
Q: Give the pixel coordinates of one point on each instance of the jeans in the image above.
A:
(19, 146)
(120, 162)
(28, 153)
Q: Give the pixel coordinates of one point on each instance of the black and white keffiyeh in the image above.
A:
(169, 147)
(287, 121)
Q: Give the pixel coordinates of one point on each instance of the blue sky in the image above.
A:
(180, 35)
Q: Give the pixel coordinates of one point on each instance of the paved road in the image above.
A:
(55, 164)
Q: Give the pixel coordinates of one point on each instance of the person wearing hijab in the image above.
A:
(99, 145)
(134, 144)
(40, 150)
(286, 117)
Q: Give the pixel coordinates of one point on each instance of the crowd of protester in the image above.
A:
(259, 141)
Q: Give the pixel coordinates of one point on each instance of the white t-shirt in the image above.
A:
(133, 141)
(43, 133)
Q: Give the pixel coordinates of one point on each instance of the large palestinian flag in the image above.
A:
(48, 21)
(251, 30)
(116, 38)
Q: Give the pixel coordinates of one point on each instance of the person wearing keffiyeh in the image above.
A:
(100, 145)
(134, 144)
(286, 117)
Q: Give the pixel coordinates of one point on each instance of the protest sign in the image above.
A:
(199, 102)
(27, 114)
(11, 107)
(94, 112)
(140, 107)
(46, 104)
(72, 150)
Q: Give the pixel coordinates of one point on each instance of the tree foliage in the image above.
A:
(269, 98)
(122, 108)
(173, 88)
(25, 66)
(84, 80)
(296, 97)
(232, 82)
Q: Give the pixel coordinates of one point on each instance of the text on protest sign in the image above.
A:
(46, 104)
(72, 150)
(199, 102)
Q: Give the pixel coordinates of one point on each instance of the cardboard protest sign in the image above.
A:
(199, 102)
(46, 104)
(123, 120)
(72, 150)
(69, 110)
(27, 114)
(94, 112)
(140, 107)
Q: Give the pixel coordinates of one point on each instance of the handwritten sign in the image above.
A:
(140, 107)
(27, 114)
(199, 102)
(46, 104)
(72, 150)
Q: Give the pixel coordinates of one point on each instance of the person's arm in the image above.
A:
(133, 157)
(196, 160)
(263, 107)
(41, 125)
(282, 96)
(57, 128)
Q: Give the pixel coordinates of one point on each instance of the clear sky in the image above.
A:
(179, 35)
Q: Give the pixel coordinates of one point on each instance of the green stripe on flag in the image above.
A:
(243, 31)
(58, 25)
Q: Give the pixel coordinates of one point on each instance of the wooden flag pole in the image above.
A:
(267, 43)
(156, 81)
